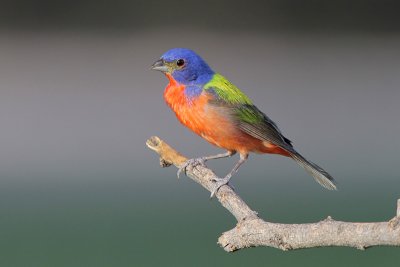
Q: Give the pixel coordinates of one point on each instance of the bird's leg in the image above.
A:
(219, 156)
(202, 160)
(223, 181)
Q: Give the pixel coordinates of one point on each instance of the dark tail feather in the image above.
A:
(319, 174)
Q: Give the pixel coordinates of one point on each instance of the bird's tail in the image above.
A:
(319, 174)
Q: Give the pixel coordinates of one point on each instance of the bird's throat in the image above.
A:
(174, 93)
(172, 81)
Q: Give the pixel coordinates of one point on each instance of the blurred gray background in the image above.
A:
(78, 187)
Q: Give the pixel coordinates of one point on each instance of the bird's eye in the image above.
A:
(180, 62)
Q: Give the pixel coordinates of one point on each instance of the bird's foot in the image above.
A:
(190, 162)
(219, 182)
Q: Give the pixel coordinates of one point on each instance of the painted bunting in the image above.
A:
(215, 109)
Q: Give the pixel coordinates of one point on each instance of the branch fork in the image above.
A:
(252, 231)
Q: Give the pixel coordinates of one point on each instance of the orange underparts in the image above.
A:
(212, 123)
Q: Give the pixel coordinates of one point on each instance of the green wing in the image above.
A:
(249, 119)
(243, 113)
(225, 91)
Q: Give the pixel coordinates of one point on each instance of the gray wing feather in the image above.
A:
(264, 129)
(267, 130)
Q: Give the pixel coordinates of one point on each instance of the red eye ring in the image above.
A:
(180, 62)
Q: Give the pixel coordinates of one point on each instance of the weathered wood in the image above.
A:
(252, 231)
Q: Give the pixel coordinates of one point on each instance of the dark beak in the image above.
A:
(160, 66)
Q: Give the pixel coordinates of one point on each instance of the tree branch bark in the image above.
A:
(252, 231)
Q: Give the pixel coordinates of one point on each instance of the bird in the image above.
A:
(218, 111)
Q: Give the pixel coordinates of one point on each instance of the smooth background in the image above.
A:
(78, 187)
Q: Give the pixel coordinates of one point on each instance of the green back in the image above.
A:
(226, 91)
(229, 95)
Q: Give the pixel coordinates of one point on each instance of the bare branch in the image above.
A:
(203, 176)
(251, 231)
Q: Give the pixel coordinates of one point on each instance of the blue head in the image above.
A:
(185, 66)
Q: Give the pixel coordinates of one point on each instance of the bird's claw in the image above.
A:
(219, 182)
(190, 162)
